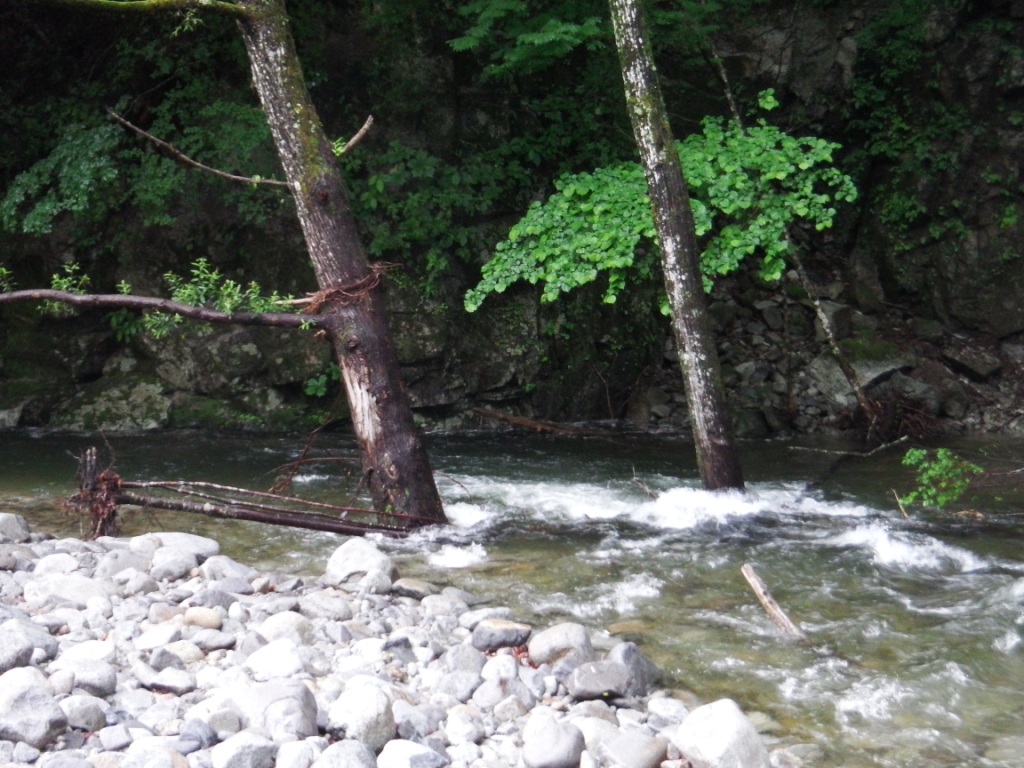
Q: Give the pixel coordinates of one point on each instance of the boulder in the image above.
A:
(562, 640)
(549, 743)
(28, 711)
(719, 735)
(355, 560)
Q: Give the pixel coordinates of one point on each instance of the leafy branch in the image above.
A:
(747, 187)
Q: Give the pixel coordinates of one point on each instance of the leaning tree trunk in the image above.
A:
(717, 458)
(395, 464)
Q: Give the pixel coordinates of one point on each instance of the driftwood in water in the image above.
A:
(100, 493)
(523, 421)
(771, 607)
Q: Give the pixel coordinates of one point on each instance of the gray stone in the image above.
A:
(400, 753)
(976, 363)
(414, 588)
(491, 634)
(633, 749)
(363, 712)
(415, 722)
(28, 712)
(170, 680)
(13, 528)
(115, 737)
(347, 753)
(219, 567)
(213, 640)
(355, 559)
(202, 547)
(444, 604)
(73, 588)
(719, 735)
(460, 684)
(599, 680)
(86, 713)
(284, 709)
(464, 724)
(559, 641)
(171, 564)
(245, 749)
(642, 671)
(91, 675)
(120, 560)
(287, 625)
(277, 659)
(16, 645)
(548, 743)
(328, 604)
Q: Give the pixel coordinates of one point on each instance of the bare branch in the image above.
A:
(186, 159)
(153, 304)
(358, 137)
(155, 6)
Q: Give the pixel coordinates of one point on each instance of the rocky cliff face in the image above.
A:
(924, 276)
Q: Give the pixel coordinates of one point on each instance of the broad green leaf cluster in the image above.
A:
(942, 476)
(748, 186)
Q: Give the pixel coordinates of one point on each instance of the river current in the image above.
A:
(915, 624)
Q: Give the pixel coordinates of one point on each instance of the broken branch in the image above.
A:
(772, 608)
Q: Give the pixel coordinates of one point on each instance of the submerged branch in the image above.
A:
(771, 607)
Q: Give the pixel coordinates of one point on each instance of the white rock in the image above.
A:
(287, 624)
(28, 711)
(548, 743)
(355, 559)
(408, 754)
(245, 749)
(363, 712)
(279, 658)
(719, 735)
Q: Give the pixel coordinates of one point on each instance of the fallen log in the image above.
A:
(101, 492)
(772, 608)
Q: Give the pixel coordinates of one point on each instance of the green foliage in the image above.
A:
(71, 280)
(6, 280)
(942, 476)
(317, 386)
(747, 186)
(526, 37)
(77, 177)
(207, 287)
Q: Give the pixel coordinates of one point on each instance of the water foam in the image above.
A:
(902, 550)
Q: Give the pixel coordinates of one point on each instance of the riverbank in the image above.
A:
(158, 650)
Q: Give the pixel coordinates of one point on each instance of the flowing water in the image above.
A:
(915, 656)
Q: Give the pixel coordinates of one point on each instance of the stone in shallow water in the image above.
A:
(719, 734)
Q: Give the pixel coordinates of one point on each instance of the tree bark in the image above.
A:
(395, 464)
(717, 458)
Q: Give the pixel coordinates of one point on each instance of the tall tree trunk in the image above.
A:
(395, 464)
(717, 458)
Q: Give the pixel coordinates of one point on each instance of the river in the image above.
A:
(916, 624)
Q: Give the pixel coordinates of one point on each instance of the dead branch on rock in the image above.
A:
(772, 608)
(101, 493)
